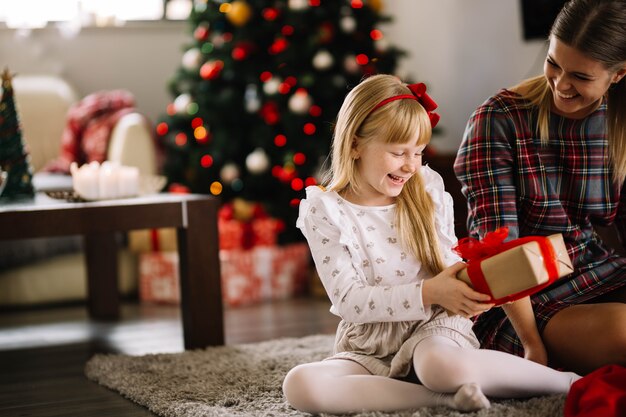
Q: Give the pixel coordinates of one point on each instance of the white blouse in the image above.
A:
(368, 276)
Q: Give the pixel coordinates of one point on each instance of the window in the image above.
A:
(37, 13)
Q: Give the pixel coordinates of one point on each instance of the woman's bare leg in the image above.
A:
(343, 386)
(585, 337)
(443, 366)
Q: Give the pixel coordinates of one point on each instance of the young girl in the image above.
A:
(381, 236)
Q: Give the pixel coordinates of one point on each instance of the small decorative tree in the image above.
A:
(14, 159)
(259, 88)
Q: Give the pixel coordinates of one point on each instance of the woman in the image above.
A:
(549, 156)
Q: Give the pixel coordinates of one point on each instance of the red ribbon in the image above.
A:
(154, 240)
(418, 93)
(475, 251)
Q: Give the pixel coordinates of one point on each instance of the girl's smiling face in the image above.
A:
(578, 82)
(383, 169)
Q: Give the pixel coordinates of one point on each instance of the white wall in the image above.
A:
(141, 59)
(464, 50)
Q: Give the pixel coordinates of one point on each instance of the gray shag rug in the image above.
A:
(246, 379)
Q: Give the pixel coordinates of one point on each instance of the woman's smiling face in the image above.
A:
(578, 82)
(384, 168)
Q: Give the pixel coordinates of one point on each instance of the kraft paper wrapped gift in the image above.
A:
(514, 269)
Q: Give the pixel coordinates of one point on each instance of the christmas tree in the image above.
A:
(257, 93)
(14, 159)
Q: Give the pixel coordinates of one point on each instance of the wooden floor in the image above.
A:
(43, 351)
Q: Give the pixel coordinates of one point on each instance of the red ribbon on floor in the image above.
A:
(474, 251)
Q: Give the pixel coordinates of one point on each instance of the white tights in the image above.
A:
(452, 376)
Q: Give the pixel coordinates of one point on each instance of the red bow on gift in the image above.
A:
(474, 251)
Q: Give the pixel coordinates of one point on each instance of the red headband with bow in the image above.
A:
(419, 94)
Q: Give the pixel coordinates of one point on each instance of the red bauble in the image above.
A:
(269, 112)
(201, 33)
(279, 45)
(210, 70)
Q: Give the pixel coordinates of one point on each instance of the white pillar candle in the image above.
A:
(128, 181)
(109, 180)
(85, 180)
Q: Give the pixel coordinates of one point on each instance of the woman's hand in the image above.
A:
(536, 352)
(454, 295)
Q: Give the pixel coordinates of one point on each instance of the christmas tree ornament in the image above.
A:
(270, 87)
(206, 161)
(210, 70)
(229, 172)
(192, 59)
(278, 46)
(16, 172)
(270, 113)
(350, 64)
(362, 59)
(217, 41)
(200, 6)
(270, 14)
(347, 24)
(216, 188)
(300, 102)
(241, 51)
(251, 98)
(239, 13)
(257, 162)
(376, 34)
(323, 60)
(201, 33)
(381, 45)
(298, 5)
(376, 5)
(356, 4)
(182, 102)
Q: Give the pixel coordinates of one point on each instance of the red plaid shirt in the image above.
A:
(510, 179)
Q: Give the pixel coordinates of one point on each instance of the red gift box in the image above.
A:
(265, 231)
(159, 278)
(240, 284)
(231, 234)
(291, 271)
(248, 276)
(264, 273)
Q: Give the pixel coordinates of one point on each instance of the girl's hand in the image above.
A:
(454, 295)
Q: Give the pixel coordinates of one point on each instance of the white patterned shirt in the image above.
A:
(368, 276)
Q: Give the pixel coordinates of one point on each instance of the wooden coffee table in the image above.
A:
(194, 217)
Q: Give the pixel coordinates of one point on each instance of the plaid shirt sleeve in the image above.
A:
(485, 166)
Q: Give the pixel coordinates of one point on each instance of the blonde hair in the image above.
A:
(598, 30)
(395, 122)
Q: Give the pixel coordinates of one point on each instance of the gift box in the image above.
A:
(159, 278)
(243, 225)
(264, 273)
(247, 276)
(140, 241)
(508, 271)
(231, 234)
